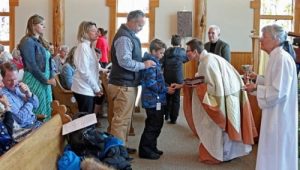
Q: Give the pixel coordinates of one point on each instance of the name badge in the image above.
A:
(158, 106)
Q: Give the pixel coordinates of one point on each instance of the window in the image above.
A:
(4, 23)
(7, 23)
(281, 12)
(277, 11)
(123, 7)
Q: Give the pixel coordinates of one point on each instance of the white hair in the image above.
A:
(276, 31)
(215, 27)
(5, 57)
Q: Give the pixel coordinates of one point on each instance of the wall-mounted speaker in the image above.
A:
(184, 23)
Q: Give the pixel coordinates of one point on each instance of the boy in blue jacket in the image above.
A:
(154, 93)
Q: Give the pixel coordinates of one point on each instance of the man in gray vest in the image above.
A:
(126, 57)
(215, 45)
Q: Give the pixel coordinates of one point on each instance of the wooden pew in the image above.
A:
(65, 97)
(41, 149)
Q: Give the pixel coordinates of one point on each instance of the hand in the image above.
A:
(176, 86)
(149, 63)
(252, 76)
(99, 94)
(40, 117)
(171, 90)
(25, 89)
(250, 87)
(5, 102)
(51, 82)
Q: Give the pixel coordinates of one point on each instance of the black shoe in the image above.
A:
(131, 150)
(129, 159)
(159, 152)
(152, 156)
(172, 122)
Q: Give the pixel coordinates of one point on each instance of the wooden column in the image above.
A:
(191, 67)
(12, 24)
(58, 23)
(200, 19)
(152, 5)
(112, 4)
(255, 5)
(297, 17)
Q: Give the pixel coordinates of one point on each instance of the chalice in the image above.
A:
(247, 69)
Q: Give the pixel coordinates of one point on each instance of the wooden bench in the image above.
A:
(65, 97)
(41, 148)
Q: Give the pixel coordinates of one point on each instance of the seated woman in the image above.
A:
(17, 58)
(68, 69)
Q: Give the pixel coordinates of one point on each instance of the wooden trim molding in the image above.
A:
(152, 4)
(297, 17)
(255, 5)
(58, 24)
(279, 17)
(12, 24)
(112, 4)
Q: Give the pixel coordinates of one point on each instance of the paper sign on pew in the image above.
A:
(79, 123)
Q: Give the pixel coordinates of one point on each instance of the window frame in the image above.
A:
(113, 15)
(11, 14)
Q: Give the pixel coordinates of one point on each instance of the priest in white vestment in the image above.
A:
(277, 97)
(221, 112)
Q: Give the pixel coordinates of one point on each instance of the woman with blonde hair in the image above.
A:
(86, 84)
(37, 64)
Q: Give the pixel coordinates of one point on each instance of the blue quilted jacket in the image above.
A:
(153, 84)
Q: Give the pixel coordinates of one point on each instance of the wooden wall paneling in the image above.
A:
(240, 58)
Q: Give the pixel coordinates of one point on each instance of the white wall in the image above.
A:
(77, 11)
(234, 18)
(166, 17)
(28, 8)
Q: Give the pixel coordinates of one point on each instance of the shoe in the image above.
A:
(129, 159)
(131, 150)
(172, 122)
(159, 152)
(152, 156)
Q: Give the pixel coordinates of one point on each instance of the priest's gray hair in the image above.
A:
(276, 31)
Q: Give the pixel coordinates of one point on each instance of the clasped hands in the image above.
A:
(173, 87)
(250, 87)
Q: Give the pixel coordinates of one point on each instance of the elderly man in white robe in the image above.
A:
(221, 111)
(277, 97)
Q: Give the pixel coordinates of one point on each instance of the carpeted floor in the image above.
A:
(180, 148)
